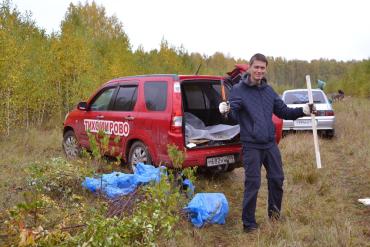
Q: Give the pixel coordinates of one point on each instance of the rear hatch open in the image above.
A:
(204, 126)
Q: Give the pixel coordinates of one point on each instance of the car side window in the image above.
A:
(101, 102)
(155, 93)
(126, 98)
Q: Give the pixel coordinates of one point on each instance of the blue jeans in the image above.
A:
(253, 159)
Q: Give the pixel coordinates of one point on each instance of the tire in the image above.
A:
(71, 146)
(330, 133)
(139, 153)
(232, 167)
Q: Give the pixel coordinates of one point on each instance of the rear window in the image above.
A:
(301, 97)
(155, 93)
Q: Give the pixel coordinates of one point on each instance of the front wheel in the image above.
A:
(139, 153)
(71, 147)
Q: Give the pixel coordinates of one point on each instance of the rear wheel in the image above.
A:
(139, 153)
(231, 168)
(71, 147)
(330, 133)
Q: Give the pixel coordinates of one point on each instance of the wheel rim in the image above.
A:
(139, 154)
(71, 147)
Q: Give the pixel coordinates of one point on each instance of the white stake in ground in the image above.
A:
(313, 121)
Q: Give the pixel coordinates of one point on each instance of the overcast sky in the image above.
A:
(293, 29)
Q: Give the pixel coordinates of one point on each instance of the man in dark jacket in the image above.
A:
(252, 103)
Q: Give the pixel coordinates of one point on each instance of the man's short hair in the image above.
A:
(258, 57)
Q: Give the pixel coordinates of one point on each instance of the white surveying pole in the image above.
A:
(313, 121)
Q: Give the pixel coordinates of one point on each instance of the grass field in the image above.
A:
(320, 207)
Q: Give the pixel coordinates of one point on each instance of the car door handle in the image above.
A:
(100, 117)
(129, 118)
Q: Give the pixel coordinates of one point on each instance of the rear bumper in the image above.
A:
(198, 157)
(322, 123)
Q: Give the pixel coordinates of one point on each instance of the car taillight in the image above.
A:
(325, 113)
(329, 113)
(176, 121)
(176, 125)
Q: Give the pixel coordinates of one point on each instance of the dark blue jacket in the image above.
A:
(252, 106)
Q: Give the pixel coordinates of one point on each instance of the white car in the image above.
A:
(325, 118)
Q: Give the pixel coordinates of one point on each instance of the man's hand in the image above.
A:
(224, 107)
(308, 109)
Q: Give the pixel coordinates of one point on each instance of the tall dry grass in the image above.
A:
(320, 207)
(17, 152)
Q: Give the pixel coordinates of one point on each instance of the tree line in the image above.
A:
(43, 76)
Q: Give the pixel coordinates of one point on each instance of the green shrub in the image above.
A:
(55, 186)
(153, 218)
(57, 178)
(176, 156)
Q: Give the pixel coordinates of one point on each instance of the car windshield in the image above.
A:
(301, 97)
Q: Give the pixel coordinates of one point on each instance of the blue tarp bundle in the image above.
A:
(146, 173)
(208, 208)
(118, 183)
(203, 208)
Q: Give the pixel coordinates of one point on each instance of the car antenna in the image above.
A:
(200, 65)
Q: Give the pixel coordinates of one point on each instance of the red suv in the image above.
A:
(151, 111)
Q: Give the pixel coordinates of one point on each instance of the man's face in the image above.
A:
(257, 70)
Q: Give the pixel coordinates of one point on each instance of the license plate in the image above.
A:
(303, 122)
(223, 160)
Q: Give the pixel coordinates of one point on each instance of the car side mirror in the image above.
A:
(82, 106)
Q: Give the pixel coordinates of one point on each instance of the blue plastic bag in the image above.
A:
(146, 173)
(208, 208)
(113, 184)
(118, 183)
(189, 187)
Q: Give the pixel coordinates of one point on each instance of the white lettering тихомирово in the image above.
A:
(109, 127)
